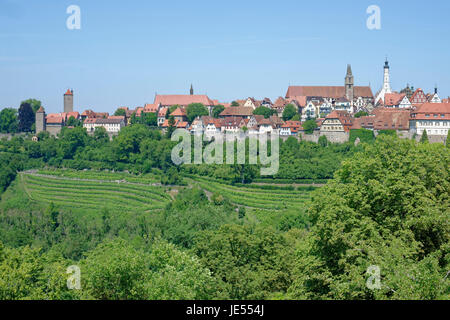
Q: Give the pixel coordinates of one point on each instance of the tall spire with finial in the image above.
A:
(349, 84)
(192, 90)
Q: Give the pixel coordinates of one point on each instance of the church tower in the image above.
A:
(68, 101)
(386, 84)
(349, 85)
(192, 90)
(387, 80)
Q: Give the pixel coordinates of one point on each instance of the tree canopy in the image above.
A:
(195, 110)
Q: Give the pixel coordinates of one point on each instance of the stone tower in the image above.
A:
(68, 101)
(40, 120)
(349, 85)
(192, 90)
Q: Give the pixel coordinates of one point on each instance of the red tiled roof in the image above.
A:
(40, 110)
(327, 91)
(117, 117)
(389, 119)
(432, 109)
(162, 112)
(182, 100)
(301, 100)
(237, 111)
(151, 108)
(393, 99)
(279, 103)
(54, 120)
(179, 112)
(68, 93)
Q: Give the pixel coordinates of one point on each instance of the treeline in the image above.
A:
(139, 149)
(387, 207)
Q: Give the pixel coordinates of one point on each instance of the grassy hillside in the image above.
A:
(91, 193)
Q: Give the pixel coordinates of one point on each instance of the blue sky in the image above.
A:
(128, 50)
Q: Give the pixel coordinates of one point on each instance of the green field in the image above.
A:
(92, 191)
(84, 195)
(256, 197)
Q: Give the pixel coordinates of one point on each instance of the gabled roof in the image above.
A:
(162, 112)
(299, 100)
(182, 100)
(237, 111)
(54, 120)
(68, 93)
(151, 108)
(432, 109)
(389, 119)
(179, 112)
(327, 91)
(393, 99)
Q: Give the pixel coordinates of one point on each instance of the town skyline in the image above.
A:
(123, 55)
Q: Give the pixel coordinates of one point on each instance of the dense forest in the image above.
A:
(386, 204)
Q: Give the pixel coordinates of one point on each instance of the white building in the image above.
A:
(111, 125)
(432, 117)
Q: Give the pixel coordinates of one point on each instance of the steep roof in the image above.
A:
(237, 111)
(391, 119)
(54, 120)
(179, 112)
(182, 100)
(429, 109)
(393, 99)
(327, 91)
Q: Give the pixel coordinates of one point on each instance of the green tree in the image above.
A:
(35, 104)
(364, 135)
(361, 114)
(447, 141)
(26, 117)
(397, 221)
(120, 112)
(253, 263)
(217, 110)
(424, 138)
(101, 135)
(264, 111)
(72, 122)
(234, 104)
(115, 270)
(309, 126)
(323, 141)
(289, 112)
(171, 127)
(8, 120)
(195, 110)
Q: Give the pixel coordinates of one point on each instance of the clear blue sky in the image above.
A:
(128, 50)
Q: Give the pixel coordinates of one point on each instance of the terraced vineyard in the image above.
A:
(90, 195)
(256, 197)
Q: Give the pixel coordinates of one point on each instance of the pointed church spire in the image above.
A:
(349, 70)
(192, 90)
